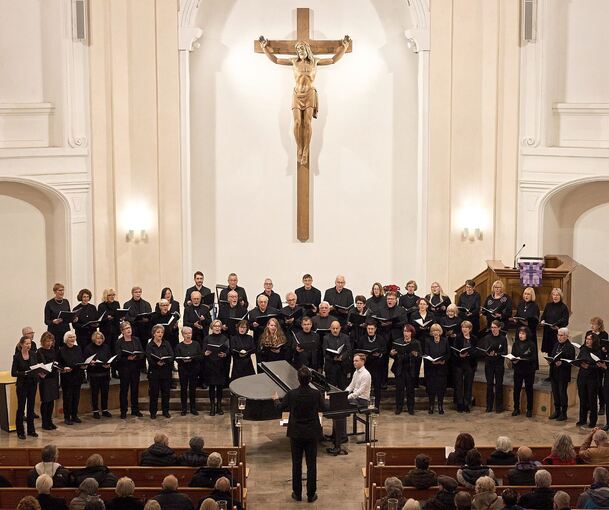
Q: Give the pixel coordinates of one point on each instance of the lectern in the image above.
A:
(8, 401)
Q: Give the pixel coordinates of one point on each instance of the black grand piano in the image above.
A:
(280, 377)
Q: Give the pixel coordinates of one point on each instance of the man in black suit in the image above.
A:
(304, 430)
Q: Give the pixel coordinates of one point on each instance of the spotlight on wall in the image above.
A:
(136, 221)
(472, 221)
(471, 234)
(140, 237)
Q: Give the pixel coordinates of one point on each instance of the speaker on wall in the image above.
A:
(528, 15)
(80, 20)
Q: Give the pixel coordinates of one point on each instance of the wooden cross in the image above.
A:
(288, 47)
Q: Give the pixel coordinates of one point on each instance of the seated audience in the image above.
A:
(222, 492)
(542, 496)
(463, 444)
(421, 477)
(485, 497)
(411, 504)
(207, 476)
(28, 503)
(170, 499)
(598, 454)
(95, 504)
(510, 500)
(95, 469)
(503, 455)
(463, 500)
(445, 497)
(195, 457)
(393, 487)
(597, 495)
(44, 484)
(523, 473)
(209, 504)
(152, 504)
(86, 491)
(562, 451)
(50, 466)
(473, 469)
(562, 501)
(159, 453)
(125, 496)
(4, 482)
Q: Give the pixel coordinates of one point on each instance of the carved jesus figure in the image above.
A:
(304, 100)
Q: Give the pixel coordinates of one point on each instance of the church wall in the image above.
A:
(363, 152)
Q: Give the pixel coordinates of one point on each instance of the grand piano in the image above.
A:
(280, 377)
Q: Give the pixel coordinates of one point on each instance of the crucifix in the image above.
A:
(304, 99)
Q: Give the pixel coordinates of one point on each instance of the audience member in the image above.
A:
(95, 468)
(159, 453)
(473, 469)
(510, 500)
(152, 504)
(44, 484)
(209, 504)
(523, 473)
(28, 503)
(411, 504)
(50, 466)
(445, 497)
(562, 451)
(485, 497)
(597, 495)
(463, 500)
(86, 491)
(95, 504)
(421, 477)
(222, 492)
(196, 456)
(463, 444)
(393, 489)
(125, 496)
(562, 501)
(542, 496)
(4, 482)
(170, 499)
(598, 454)
(503, 455)
(206, 476)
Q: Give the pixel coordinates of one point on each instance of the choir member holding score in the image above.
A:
(308, 296)
(560, 373)
(451, 323)
(464, 363)
(491, 348)
(27, 383)
(587, 380)
(98, 373)
(527, 315)
(197, 317)
(497, 306)
(291, 313)
(437, 300)
(139, 314)
(273, 297)
(468, 304)
(409, 300)
(110, 317)
(555, 315)
(260, 315)
(49, 381)
(215, 365)
(524, 363)
(231, 313)
(169, 320)
(356, 323)
(436, 356)
(340, 299)
(337, 354)
(242, 347)
(70, 357)
(159, 354)
(188, 355)
(376, 299)
(53, 311)
(422, 320)
(273, 345)
(174, 306)
(306, 345)
(405, 352)
(374, 346)
(598, 326)
(198, 277)
(87, 322)
(129, 354)
(233, 280)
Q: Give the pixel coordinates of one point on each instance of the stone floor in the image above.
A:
(339, 478)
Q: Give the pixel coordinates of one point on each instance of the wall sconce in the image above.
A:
(471, 234)
(141, 237)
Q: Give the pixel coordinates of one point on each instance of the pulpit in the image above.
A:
(8, 401)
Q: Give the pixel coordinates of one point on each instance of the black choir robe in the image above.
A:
(409, 302)
(215, 368)
(203, 290)
(310, 296)
(109, 323)
(242, 299)
(501, 305)
(141, 326)
(197, 316)
(437, 303)
(171, 331)
(274, 299)
(556, 314)
(227, 312)
(254, 313)
(83, 332)
(471, 303)
(309, 343)
(294, 325)
(241, 349)
(51, 312)
(49, 385)
(344, 298)
(398, 316)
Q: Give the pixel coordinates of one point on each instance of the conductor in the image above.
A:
(304, 430)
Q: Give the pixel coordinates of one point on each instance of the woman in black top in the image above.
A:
(498, 306)
(128, 367)
(215, 371)
(188, 356)
(405, 353)
(98, 373)
(242, 347)
(436, 372)
(49, 382)
(598, 326)
(409, 300)
(273, 345)
(160, 364)
(587, 380)
(464, 363)
(555, 316)
(174, 306)
(495, 346)
(26, 386)
(56, 325)
(468, 303)
(109, 318)
(87, 314)
(376, 299)
(527, 315)
(438, 301)
(70, 355)
(524, 369)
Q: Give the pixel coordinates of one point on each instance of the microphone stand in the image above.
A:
(518, 253)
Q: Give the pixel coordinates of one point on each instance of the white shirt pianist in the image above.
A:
(359, 387)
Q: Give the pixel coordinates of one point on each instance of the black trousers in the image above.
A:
(435, 381)
(129, 383)
(308, 447)
(46, 412)
(188, 389)
(404, 383)
(71, 399)
(215, 394)
(494, 385)
(559, 391)
(154, 387)
(605, 391)
(464, 380)
(99, 385)
(526, 378)
(376, 368)
(26, 397)
(336, 375)
(587, 389)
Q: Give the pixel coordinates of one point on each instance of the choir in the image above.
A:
(220, 338)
